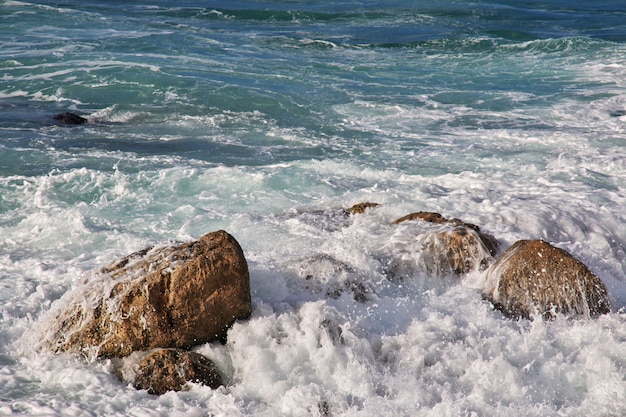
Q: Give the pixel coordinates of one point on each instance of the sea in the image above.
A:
(268, 119)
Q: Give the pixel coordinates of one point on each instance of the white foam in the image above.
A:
(332, 331)
(418, 346)
(17, 93)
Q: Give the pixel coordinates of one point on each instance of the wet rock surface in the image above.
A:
(163, 370)
(455, 247)
(174, 296)
(535, 278)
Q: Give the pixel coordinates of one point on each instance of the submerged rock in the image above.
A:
(175, 296)
(456, 247)
(323, 273)
(534, 277)
(69, 119)
(360, 208)
(162, 370)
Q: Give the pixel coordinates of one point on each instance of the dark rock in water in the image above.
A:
(456, 247)
(618, 113)
(174, 296)
(69, 119)
(162, 370)
(534, 277)
(323, 407)
(360, 208)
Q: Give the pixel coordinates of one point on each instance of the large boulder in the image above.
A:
(452, 246)
(162, 370)
(533, 277)
(173, 296)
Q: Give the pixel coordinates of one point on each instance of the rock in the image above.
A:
(323, 273)
(427, 216)
(534, 277)
(490, 243)
(330, 219)
(162, 370)
(360, 208)
(456, 247)
(69, 119)
(173, 296)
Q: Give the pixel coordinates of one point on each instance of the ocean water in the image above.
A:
(266, 119)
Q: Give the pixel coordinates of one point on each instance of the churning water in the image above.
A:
(265, 119)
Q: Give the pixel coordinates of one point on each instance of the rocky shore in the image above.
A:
(148, 309)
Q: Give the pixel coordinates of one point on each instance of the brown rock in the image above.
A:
(175, 296)
(162, 370)
(360, 208)
(457, 246)
(427, 216)
(489, 242)
(534, 277)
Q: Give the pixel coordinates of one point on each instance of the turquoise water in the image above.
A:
(265, 119)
